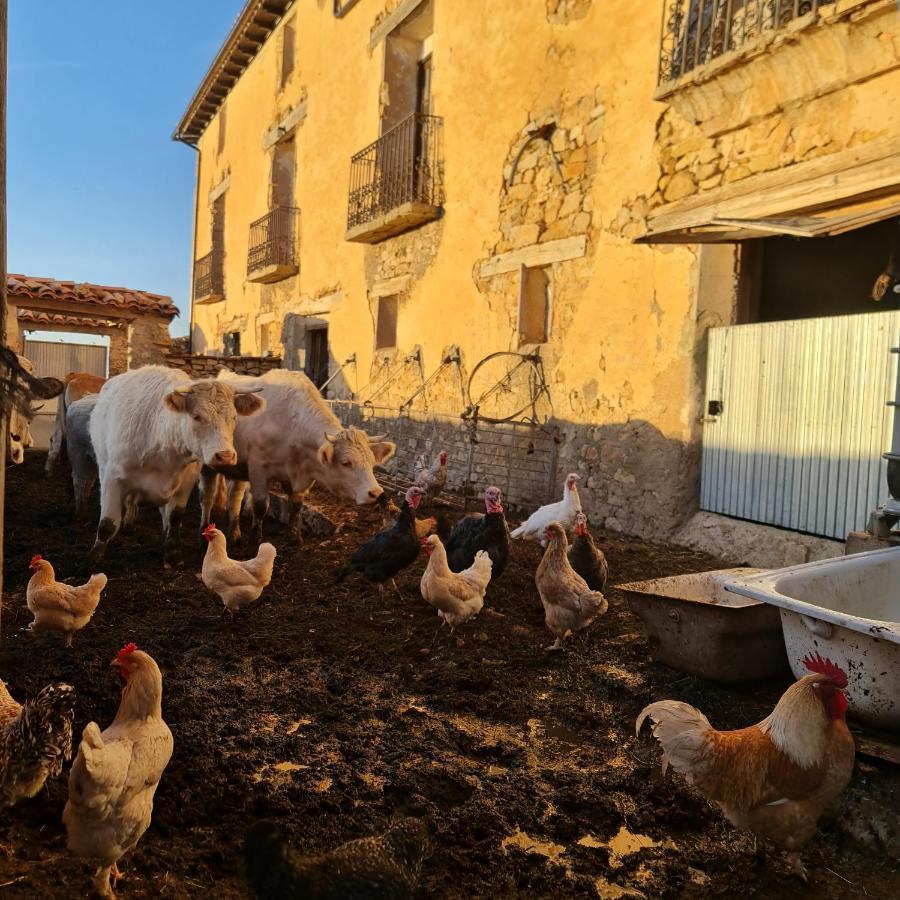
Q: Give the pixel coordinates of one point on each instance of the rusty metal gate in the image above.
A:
(519, 457)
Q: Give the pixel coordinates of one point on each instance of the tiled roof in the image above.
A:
(255, 23)
(42, 317)
(94, 296)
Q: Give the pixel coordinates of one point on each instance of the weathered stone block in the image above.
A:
(736, 173)
(681, 185)
(523, 235)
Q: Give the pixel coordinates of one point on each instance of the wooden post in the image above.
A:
(3, 20)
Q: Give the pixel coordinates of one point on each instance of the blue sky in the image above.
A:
(98, 191)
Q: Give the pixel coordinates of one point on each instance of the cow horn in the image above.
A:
(185, 389)
(331, 438)
(37, 409)
(377, 438)
(251, 391)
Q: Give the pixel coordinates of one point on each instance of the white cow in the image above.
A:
(298, 441)
(151, 430)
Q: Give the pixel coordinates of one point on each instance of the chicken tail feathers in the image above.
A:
(267, 858)
(99, 581)
(681, 731)
(518, 532)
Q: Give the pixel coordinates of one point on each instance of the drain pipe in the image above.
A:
(195, 148)
(341, 9)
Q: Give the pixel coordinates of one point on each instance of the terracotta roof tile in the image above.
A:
(42, 317)
(93, 296)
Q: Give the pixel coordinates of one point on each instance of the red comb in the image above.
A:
(127, 650)
(816, 663)
(36, 559)
(209, 528)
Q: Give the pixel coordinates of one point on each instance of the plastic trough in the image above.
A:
(847, 609)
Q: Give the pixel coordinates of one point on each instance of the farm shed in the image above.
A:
(136, 322)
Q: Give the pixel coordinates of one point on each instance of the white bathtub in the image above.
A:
(847, 609)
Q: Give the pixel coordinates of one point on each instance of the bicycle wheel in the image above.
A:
(502, 386)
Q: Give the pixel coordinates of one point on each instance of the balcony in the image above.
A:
(272, 255)
(397, 182)
(695, 32)
(209, 277)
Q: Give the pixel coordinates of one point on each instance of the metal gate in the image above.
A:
(797, 421)
(57, 358)
(518, 457)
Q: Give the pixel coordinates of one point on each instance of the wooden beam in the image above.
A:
(870, 169)
(535, 255)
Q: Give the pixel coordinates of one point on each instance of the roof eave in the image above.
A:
(270, 13)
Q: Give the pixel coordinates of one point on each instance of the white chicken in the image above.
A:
(431, 478)
(457, 596)
(115, 776)
(564, 512)
(237, 582)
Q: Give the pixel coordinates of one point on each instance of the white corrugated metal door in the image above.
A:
(796, 421)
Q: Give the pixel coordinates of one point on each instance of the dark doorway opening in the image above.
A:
(801, 278)
(317, 356)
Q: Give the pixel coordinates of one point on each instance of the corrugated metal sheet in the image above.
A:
(803, 424)
(58, 359)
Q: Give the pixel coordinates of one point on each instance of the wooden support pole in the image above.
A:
(3, 37)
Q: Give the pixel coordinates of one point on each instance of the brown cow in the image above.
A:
(78, 385)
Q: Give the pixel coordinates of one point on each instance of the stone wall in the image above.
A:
(149, 342)
(199, 366)
(781, 101)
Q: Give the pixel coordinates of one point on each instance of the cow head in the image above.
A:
(18, 437)
(209, 410)
(346, 460)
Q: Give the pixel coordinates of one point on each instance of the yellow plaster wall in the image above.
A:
(621, 314)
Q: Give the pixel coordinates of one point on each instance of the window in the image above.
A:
(288, 43)
(316, 367)
(282, 175)
(220, 139)
(231, 343)
(268, 338)
(534, 305)
(386, 323)
(407, 67)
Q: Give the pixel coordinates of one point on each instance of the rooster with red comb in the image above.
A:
(775, 779)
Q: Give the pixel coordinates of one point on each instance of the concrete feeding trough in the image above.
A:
(847, 609)
(694, 625)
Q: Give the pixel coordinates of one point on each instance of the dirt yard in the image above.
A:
(322, 708)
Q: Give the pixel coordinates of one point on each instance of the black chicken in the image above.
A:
(480, 532)
(586, 558)
(385, 867)
(35, 740)
(391, 550)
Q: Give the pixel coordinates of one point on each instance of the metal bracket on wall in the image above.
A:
(453, 357)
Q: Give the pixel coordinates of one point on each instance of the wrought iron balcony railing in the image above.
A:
(209, 276)
(404, 166)
(273, 243)
(694, 32)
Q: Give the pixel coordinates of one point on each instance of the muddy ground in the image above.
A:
(323, 709)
